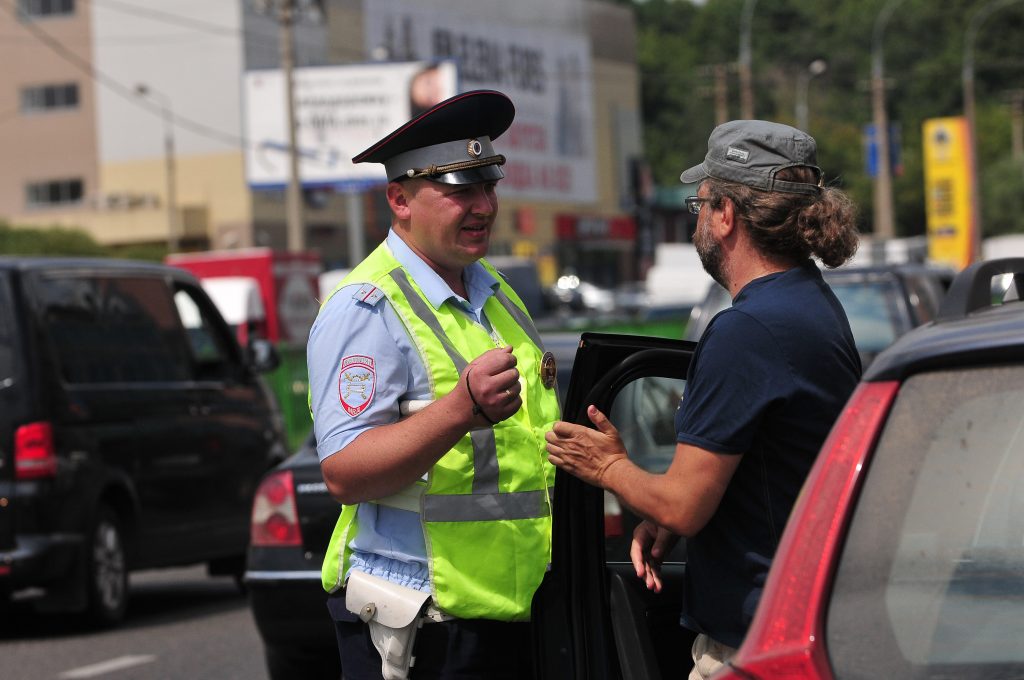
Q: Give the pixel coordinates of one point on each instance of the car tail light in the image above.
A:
(786, 637)
(612, 515)
(34, 454)
(275, 521)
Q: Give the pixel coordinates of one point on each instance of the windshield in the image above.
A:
(871, 308)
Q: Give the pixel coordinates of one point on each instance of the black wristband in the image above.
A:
(477, 410)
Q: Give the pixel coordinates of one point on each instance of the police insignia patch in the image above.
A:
(357, 383)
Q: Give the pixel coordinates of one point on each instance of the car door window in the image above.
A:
(644, 413)
(112, 329)
(205, 339)
(6, 335)
(930, 579)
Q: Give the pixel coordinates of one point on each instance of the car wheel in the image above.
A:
(286, 664)
(108, 570)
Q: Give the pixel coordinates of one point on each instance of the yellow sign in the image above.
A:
(949, 191)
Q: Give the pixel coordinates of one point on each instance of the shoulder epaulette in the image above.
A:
(368, 294)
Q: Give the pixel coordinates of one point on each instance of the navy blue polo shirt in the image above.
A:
(767, 381)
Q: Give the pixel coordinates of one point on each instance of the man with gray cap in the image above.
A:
(767, 380)
(430, 395)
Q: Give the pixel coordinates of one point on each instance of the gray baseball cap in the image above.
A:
(751, 152)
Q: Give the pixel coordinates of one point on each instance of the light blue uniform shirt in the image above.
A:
(390, 541)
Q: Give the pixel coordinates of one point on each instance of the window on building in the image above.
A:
(43, 8)
(49, 97)
(54, 192)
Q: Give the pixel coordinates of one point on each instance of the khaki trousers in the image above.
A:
(708, 657)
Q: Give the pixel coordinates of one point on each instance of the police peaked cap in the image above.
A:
(449, 143)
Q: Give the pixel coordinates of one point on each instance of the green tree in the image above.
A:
(923, 51)
(62, 241)
(1003, 188)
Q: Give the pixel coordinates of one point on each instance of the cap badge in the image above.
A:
(548, 370)
(475, 148)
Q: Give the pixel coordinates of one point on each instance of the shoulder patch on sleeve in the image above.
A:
(357, 383)
(369, 294)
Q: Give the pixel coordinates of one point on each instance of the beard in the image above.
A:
(710, 253)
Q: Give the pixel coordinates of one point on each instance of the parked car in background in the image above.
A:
(906, 549)
(882, 302)
(292, 520)
(133, 431)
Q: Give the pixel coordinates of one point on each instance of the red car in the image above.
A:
(904, 556)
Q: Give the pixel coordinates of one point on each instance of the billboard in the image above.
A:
(339, 111)
(540, 60)
(948, 190)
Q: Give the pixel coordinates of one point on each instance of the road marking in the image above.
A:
(110, 666)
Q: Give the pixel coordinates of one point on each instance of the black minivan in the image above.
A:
(133, 431)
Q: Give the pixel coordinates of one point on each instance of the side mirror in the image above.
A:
(261, 355)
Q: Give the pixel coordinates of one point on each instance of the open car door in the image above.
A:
(593, 618)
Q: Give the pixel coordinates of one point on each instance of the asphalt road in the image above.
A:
(181, 624)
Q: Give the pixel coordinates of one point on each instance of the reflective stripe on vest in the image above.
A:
(485, 503)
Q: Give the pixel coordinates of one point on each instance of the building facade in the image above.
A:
(129, 120)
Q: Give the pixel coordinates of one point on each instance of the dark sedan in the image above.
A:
(292, 519)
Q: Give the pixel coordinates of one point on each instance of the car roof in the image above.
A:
(989, 337)
(969, 330)
(54, 263)
(939, 271)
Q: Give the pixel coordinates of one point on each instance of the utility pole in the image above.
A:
(746, 75)
(967, 81)
(718, 90)
(721, 94)
(884, 227)
(285, 13)
(1017, 124)
(293, 198)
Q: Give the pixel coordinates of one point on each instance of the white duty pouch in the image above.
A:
(393, 614)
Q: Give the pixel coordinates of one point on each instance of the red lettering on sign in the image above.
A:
(525, 136)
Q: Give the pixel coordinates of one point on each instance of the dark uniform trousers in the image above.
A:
(460, 649)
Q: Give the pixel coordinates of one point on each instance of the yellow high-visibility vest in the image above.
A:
(485, 507)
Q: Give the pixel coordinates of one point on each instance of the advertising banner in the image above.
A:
(544, 66)
(339, 111)
(948, 190)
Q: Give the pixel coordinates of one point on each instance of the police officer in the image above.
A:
(431, 394)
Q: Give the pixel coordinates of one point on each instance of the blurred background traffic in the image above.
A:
(217, 137)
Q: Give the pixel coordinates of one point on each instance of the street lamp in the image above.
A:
(970, 35)
(883, 227)
(815, 68)
(164, 103)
